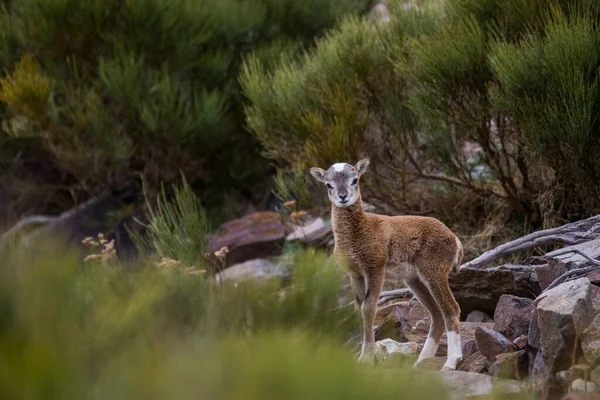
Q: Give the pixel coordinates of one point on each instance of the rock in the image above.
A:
(388, 322)
(478, 316)
(481, 288)
(389, 348)
(595, 376)
(510, 365)
(513, 315)
(476, 362)
(547, 273)
(491, 343)
(469, 384)
(579, 396)
(574, 260)
(577, 371)
(467, 336)
(520, 342)
(594, 277)
(561, 314)
(581, 386)
(251, 269)
(257, 235)
(590, 342)
(432, 364)
(415, 326)
(595, 296)
(317, 232)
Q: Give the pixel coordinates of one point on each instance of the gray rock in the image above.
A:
(513, 315)
(561, 315)
(581, 386)
(389, 348)
(590, 342)
(595, 376)
(252, 269)
(478, 316)
(491, 343)
(316, 232)
(476, 362)
(510, 365)
(577, 371)
(481, 288)
(469, 384)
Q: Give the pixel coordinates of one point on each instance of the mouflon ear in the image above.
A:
(318, 173)
(362, 165)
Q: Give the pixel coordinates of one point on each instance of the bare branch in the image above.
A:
(571, 275)
(394, 295)
(570, 234)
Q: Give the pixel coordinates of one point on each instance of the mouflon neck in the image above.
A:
(347, 219)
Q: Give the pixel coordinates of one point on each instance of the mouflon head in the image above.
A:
(341, 180)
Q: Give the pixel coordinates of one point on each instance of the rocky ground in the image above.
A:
(533, 326)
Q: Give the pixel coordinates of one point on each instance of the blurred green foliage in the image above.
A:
(99, 92)
(101, 331)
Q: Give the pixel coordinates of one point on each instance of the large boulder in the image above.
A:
(257, 235)
(491, 343)
(560, 317)
(481, 288)
(513, 315)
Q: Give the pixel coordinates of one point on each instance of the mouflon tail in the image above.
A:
(459, 256)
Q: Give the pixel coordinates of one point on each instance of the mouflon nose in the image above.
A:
(343, 196)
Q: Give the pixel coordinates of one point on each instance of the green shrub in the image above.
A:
(96, 331)
(123, 88)
(515, 79)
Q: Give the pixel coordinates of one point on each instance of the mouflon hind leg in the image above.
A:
(436, 329)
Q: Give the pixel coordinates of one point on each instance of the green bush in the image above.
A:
(75, 331)
(112, 89)
(516, 79)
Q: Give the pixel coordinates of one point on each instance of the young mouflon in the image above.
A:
(421, 249)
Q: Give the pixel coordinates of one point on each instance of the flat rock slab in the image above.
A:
(316, 232)
(389, 348)
(464, 385)
(257, 269)
(257, 235)
(481, 288)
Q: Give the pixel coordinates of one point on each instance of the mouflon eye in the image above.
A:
(329, 186)
(355, 181)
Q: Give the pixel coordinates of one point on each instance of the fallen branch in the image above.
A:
(571, 275)
(569, 234)
(394, 295)
(24, 223)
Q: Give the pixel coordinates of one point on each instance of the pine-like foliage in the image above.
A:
(110, 89)
(479, 98)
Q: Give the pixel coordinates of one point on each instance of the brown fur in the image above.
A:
(422, 249)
